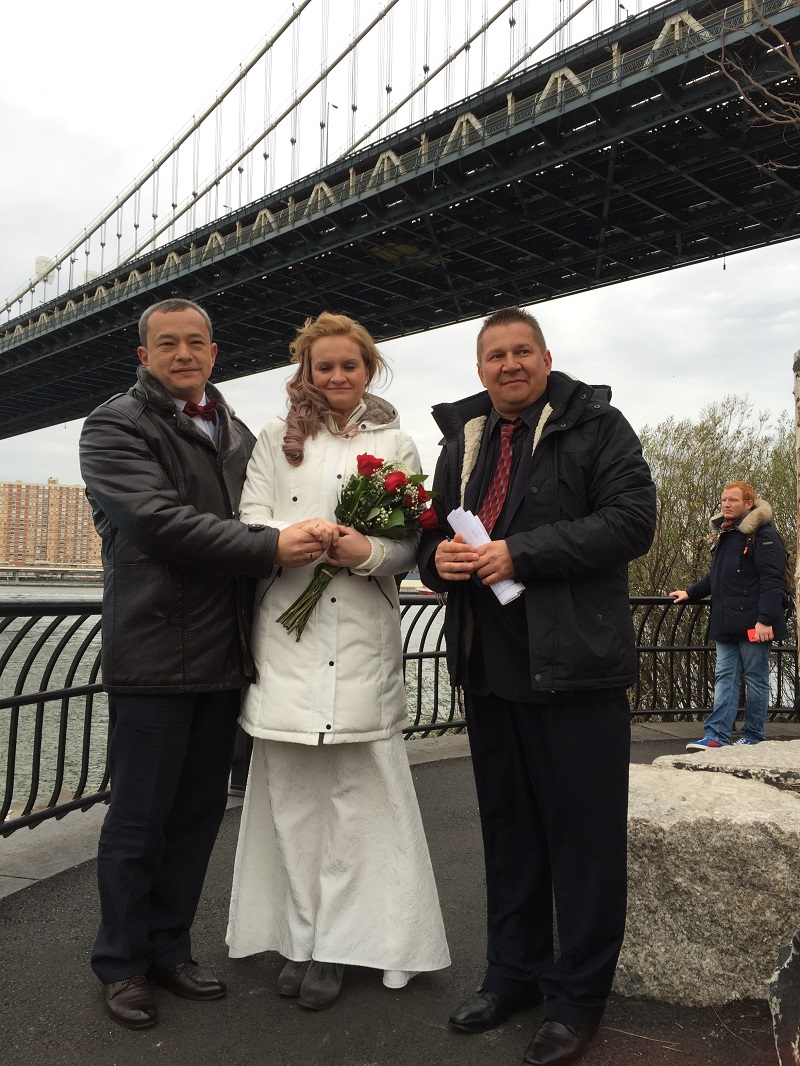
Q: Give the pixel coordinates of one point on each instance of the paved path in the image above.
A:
(51, 1008)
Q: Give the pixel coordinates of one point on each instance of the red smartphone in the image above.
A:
(752, 636)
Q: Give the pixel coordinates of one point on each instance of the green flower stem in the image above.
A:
(295, 617)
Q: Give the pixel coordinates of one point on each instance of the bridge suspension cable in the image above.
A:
(167, 154)
(227, 165)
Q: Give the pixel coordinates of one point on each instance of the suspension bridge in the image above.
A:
(512, 166)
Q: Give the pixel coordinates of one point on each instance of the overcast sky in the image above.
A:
(89, 94)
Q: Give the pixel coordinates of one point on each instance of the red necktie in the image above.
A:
(193, 409)
(498, 490)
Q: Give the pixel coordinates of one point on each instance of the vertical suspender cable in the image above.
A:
(156, 185)
(484, 44)
(174, 201)
(137, 208)
(195, 174)
(354, 73)
(324, 132)
(412, 53)
(119, 236)
(388, 46)
(431, 74)
(209, 183)
(535, 48)
(297, 8)
(242, 127)
(448, 74)
(217, 161)
(295, 106)
(467, 51)
(426, 66)
(267, 143)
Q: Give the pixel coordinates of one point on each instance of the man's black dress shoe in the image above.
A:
(556, 1044)
(189, 981)
(486, 1010)
(130, 1002)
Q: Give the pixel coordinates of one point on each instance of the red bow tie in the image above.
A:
(207, 412)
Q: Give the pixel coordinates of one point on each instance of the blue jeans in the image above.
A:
(737, 659)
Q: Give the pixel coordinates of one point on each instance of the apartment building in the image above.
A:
(46, 524)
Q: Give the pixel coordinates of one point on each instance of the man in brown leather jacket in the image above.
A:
(164, 466)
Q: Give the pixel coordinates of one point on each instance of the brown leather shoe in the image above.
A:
(189, 981)
(130, 1002)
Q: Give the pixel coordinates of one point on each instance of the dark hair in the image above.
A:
(507, 316)
(308, 408)
(172, 305)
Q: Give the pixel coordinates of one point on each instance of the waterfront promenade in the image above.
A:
(51, 1009)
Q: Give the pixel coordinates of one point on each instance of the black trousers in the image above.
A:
(552, 784)
(170, 757)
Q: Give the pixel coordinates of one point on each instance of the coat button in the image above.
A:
(339, 476)
(333, 599)
(294, 499)
(327, 727)
(330, 663)
(533, 490)
(537, 677)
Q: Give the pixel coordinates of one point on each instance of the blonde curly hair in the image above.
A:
(308, 408)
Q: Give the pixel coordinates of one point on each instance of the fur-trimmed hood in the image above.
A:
(378, 412)
(759, 515)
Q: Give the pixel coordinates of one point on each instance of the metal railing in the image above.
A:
(54, 713)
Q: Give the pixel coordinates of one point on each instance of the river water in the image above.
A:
(50, 748)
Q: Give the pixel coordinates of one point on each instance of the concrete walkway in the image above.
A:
(51, 1008)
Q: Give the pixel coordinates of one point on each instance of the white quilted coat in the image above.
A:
(343, 681)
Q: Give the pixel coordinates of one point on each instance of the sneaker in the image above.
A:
(704, 744)
(744, 740)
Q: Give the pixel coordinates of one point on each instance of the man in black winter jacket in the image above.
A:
(164, 466)
(557, 476)
(747, 582)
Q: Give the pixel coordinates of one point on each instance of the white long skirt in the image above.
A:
(332, 862)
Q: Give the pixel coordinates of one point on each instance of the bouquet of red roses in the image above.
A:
(384, 499)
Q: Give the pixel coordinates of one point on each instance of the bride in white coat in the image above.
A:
(332, 865)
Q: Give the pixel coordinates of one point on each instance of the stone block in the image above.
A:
(713, 886)
(774, 762)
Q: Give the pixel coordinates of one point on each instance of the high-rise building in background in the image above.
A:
(46, 524)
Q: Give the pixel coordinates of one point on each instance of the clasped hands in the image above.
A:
(458, 561)
(306, 541)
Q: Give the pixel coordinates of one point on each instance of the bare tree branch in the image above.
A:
(777, 104)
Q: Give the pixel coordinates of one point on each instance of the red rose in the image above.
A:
(422, 495)
(368, 464)
(395, 481)
(428, 519)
